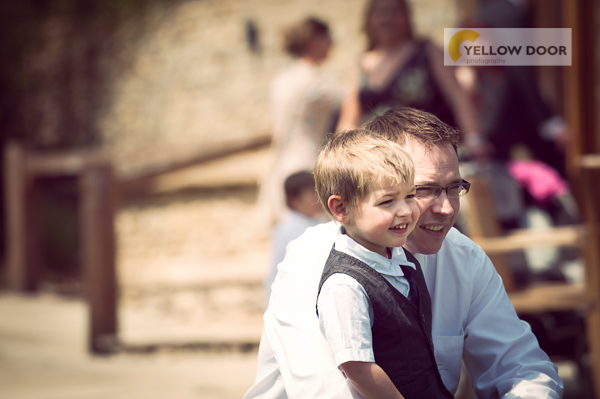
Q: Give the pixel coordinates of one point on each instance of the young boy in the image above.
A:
(373, 305)
(305, 211)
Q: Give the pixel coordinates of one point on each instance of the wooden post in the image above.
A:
(481, 221)
(579, 90)
(580, 110)
(98, 197)
(590, 173)
(22, 248)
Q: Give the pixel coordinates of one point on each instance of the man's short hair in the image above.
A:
(295, 184)
(351, 162)
(401, 124)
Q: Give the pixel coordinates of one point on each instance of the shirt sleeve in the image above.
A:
(345, 320)
(501, 353)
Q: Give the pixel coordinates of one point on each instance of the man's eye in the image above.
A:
(453, 191)
(424, 192)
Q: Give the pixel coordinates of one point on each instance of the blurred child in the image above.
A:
(305, 211)
(373, 305)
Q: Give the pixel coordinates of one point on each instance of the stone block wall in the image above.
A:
(192, 78)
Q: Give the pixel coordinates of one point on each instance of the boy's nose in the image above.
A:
(403, 210)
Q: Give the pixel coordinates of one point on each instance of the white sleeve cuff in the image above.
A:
(354, 355)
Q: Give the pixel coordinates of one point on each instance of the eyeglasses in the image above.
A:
(432, 192)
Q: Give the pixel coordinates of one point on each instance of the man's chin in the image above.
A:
(423, 245)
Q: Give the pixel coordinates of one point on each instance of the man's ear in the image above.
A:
(338, 209)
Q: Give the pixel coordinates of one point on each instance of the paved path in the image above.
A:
(43, 356)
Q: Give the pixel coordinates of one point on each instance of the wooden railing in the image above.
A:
(100, 191)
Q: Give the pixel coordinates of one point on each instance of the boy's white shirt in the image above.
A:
(345, 311)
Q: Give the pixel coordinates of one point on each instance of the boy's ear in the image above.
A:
(338, 209)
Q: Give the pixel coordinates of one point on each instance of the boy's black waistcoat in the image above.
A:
(402, 342)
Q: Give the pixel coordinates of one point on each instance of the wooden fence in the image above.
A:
(100, 191)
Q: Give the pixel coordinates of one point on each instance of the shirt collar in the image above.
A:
(420, 258)
(389, 267)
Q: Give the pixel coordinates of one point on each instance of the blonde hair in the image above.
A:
(350, 163)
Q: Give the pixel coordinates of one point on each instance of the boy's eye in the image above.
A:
(410, 196)
(385, 202)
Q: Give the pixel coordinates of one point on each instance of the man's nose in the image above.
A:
(443, 205)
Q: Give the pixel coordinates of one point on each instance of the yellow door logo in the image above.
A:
(457, 39)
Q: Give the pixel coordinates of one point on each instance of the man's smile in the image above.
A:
(433, 228)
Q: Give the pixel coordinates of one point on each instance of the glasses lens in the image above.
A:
(458, 190)
(455, 191)
(428, 192)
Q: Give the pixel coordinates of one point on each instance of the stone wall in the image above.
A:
(193, 79)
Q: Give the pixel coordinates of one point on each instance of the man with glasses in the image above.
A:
(430, 191)
(473, 319)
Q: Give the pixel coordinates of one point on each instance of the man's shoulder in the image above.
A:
(294, 224)
(457, 239)
(314, 235)
(315, 240)
(460, 249)
(298, 275)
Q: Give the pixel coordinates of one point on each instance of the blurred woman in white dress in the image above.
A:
(305, 104)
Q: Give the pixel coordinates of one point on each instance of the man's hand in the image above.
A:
(370, 380)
